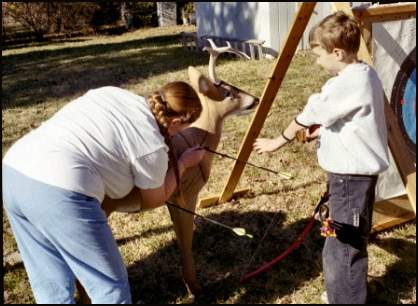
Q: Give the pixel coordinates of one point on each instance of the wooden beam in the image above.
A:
(367, 33)
(385, 18)
(382, 10)
(213, 200)
(386, 12)
(412, 181)
(391, 212)
(300, 22)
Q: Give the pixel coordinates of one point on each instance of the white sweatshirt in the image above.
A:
(105, 142)
(350, 110)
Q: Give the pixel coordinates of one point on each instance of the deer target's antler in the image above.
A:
(215, 51)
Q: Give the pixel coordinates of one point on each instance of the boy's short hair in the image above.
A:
(337, 30)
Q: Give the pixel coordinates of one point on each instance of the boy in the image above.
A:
(352, 148)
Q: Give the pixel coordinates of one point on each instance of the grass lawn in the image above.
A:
(37, 80)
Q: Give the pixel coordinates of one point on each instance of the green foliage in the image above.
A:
(131, 14)
(185, 9)
(144, 14)
(41, 18)
(33, 16)
(72, 17)
(107, 13)
(188, 7)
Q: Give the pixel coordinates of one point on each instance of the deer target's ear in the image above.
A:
(204, 85)
(198, 81)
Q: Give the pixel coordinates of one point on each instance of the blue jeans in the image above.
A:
(345, 260)
(62, 235)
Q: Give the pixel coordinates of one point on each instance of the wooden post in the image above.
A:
(366, 32)
(260, 51)
(252, 55)
(298, 27)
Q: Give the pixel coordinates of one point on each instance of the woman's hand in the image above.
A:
(192, 157)
(152, 198)
(262, 145)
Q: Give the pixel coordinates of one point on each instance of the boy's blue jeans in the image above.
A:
(63, 235)
(345, 260)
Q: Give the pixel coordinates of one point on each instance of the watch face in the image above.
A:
(403, 100)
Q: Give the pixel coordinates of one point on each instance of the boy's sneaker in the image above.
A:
(324, 297)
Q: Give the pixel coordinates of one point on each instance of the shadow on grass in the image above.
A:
(148, 233)
(40, 75)
(400, 277)
(286, 188)
(222, 258)
(32, 44)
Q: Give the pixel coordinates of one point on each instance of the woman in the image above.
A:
(108, 147)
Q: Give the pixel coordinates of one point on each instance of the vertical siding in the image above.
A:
(284, 13)
(236, 20)
(268, 21)
(322, 9)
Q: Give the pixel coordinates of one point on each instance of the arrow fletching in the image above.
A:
(241, 232)
(285, 175)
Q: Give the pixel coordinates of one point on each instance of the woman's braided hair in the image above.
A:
(175, 99)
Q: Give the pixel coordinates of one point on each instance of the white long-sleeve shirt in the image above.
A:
(350, 110)
(105, 142)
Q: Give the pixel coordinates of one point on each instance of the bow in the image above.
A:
(267, 266)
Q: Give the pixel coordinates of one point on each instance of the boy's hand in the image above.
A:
(262, 145)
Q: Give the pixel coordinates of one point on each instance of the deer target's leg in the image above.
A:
(183, 226)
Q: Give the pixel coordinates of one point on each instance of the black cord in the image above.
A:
(245, 162)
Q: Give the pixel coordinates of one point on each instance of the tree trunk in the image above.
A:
(122, 14)
(167, 14)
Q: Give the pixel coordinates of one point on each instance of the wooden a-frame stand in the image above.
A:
(387, 213)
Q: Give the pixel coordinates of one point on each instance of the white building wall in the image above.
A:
(268, 21)
(238, 20)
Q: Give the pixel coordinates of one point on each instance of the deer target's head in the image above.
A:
(227, 98)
